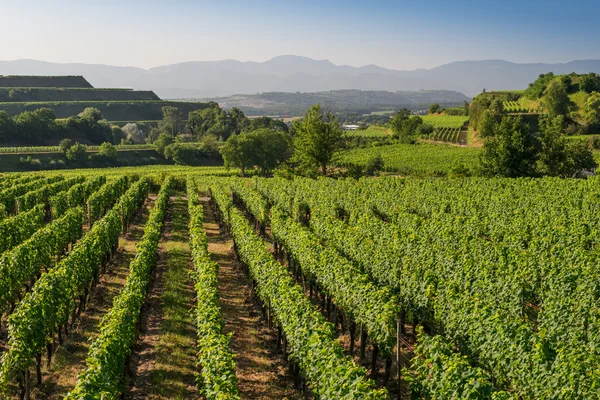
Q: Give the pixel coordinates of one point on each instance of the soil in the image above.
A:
(260, 368)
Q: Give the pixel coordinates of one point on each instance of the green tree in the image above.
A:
(556, 100)
(589, 83)
(318, 139)
(8, 127)
(238, 152)
(511, 151)
(117, 134)
(405, 127)
(77, 153)
(271, 148)
(560, 156)
(65, 145)
(374, 165)
(466, 108)
(434, 108)
(172, 121)
(162, 142)
(184, 153)
(487, 124)
(591, 112)
(108, 151)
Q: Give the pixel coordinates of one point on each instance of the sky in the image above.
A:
(393, 34)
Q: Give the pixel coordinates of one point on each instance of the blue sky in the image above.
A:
(393, 34)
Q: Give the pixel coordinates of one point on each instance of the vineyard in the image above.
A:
(519, 107)
(186, 283)
(447, 128)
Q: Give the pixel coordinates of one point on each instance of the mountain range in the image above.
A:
(203, 79)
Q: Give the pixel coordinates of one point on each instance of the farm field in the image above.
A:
(371, 131)
(415, 159)
(324, 288)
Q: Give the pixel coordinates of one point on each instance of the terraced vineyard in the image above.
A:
(447, 128)
(518, 107)
(186, 283)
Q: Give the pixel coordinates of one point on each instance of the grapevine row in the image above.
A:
(312, 346)
(217, 378)
(42, 195)
(75, 196)
(47, 308)
(103, 377)
(16, 229)
(23, 263)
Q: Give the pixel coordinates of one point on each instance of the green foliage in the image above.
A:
(556, 100)
(216, 122)
(266, 123)
(434, 108)
(77, 153)
(217, 378)
(537, 88)
(317, 139)
(172, 121)
(103, 377)
(108, 151)
(438, 373)
(162, 142)
(592, 109)
(589, 83)
(310, 339)
(511, 151)
(374, 164)
(185, 153)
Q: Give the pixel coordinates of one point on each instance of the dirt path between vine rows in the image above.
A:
(164, 364)
(261, 370)
(69, 359)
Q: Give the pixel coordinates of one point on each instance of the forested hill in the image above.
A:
(357, 101)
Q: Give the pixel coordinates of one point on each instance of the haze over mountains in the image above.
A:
(201, 79)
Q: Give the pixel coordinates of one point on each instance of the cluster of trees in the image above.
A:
(40, 127)
(76, 153)
(407, 128)
(311, 145)
(513, 150)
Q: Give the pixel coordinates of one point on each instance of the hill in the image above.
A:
(33, 94)
(345, 101)
(292, 73)
(44, 81)
(123, 105)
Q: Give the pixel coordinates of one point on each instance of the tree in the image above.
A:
(238, 152)
(591, 112)
(133, 133)
(171, 122)
(466, 108)
(589, 83)
(65, 145)
(108, 151)
(264, 148)
(162, 142)
(374, 165)
(117, 135)
(266, 123)
(434, 108)
(77, 153)
(556, 100)
(404, 126)
(271, 148)
(318, 139)
(512, 151)
(184, 153)
(487, 124)
(560, 156)
(8, 127)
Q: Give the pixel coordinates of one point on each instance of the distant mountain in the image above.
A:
(300, 74)
(348, 102)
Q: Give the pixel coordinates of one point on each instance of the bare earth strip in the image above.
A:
(261, 370)
(69, 359)
(164, 365)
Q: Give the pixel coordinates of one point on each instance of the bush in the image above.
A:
(374, 164)
(77, 154)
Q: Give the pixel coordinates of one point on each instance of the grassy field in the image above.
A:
(419, 159)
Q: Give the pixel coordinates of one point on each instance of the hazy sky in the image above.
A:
(394, 34)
